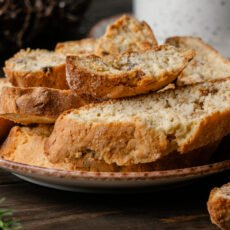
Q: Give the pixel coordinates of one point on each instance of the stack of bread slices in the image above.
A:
(119, 103)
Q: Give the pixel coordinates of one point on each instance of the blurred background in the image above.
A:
(43, 23)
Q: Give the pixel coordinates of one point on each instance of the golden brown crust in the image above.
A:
(52, 77)
(219, 207)
(36, 105)
(130, 141)
(84, 46)
(111, 86)
(126, 34)
(207, 65)
(5, 127)
(25, 145)
(204, 134)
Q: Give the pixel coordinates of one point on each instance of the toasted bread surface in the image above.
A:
(207, 64)
(124, 35)
(219, 206)
(129, 74)
(146, 128)
(25, 145)
(37, 68)
(36, 104)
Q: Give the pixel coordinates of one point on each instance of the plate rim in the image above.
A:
(154, 175)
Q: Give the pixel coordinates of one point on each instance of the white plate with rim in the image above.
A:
(111, 182)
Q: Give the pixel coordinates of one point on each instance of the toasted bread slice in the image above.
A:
(37, 68)
(219, 206)
(80, 47)
(26, 145)
(207, 65)
(126, 34)
(144, 129)
(5, 125)
(128, 75)
(36, 104)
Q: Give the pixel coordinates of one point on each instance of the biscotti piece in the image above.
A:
(37, 68)
(124, 35)
(207, 65)
(219, 206)
(5, 125)
(146, 128)
(26, 145)
(80, 47)
(36, 104)
(128, 75)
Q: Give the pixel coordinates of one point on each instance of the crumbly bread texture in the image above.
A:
(25, 145)
(5, 125)
(207, 65)
(37, 68)
(129, 74)
(219, 206)
(36, 104)
(80, 47)
(146, 128)
(124, 35)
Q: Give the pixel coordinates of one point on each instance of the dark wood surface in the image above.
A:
(40, 208)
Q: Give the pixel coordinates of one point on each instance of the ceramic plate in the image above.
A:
(102, 181)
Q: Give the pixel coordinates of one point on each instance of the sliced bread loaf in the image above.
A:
(207, 64)
(124, 35)
(26, 145)
(37, 68)
(129, 74)
(36, 104)
(84, 46)
(5, 125)
(144, 129)
(219, 206)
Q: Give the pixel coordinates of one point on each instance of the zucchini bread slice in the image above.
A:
(146, 128)
(37, 68)
(127, 75)
(208, 64)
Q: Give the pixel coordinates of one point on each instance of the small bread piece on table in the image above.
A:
(208, 64)
(26, 145)
(36, 104)
(219, 206)
(127, 75)
(144, 129)
(37, 68)
(124, 35)
(79, 47)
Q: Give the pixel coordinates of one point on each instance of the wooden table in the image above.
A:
(40, 208)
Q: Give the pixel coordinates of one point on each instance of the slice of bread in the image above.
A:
(80, 47)
(219, 206)
(129, 74)
(37, 68)
(36, 104)
(144, 129)
(124, 35)
(25, 145)
(207, 65)
(5, 125)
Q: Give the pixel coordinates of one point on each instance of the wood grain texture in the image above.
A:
(40, 208)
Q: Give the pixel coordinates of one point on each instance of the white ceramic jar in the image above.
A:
(209, 19)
